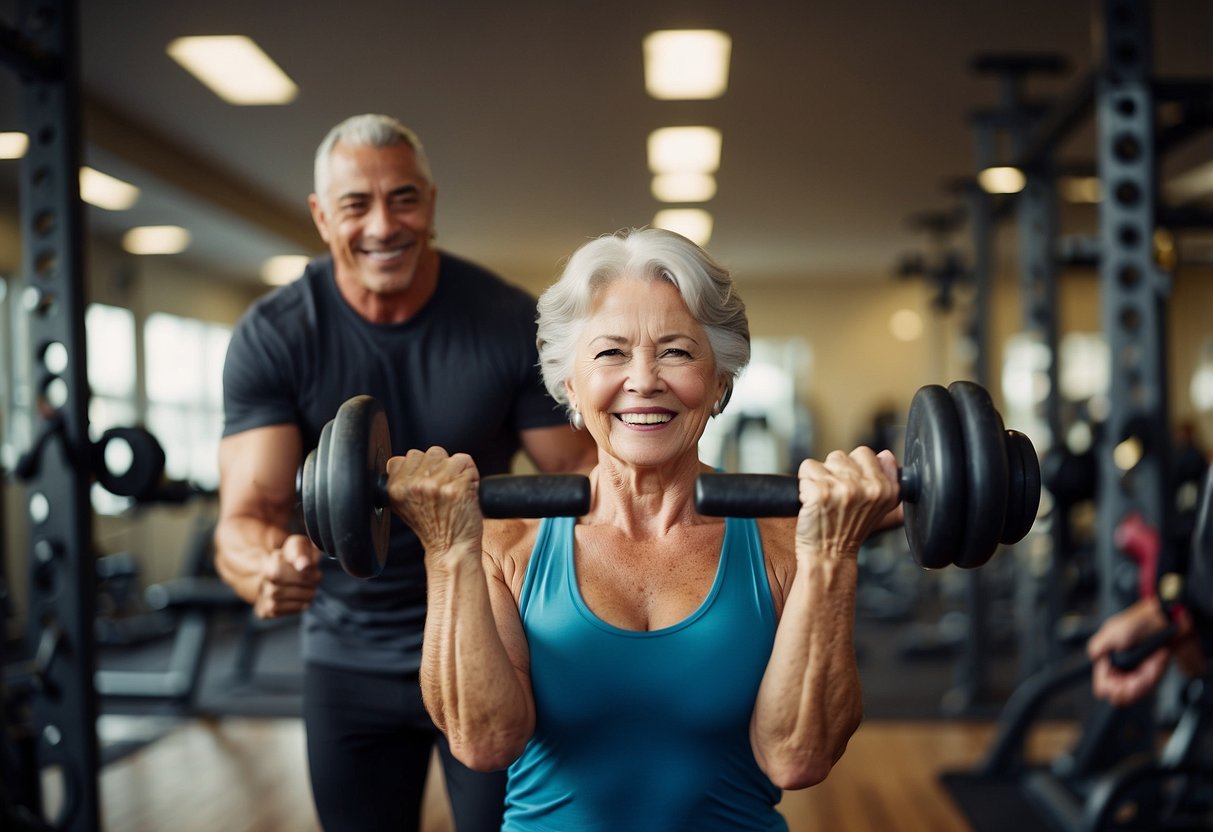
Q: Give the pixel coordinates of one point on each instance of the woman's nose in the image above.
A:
(644, 375)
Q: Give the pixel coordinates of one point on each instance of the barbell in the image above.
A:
(967, 483)
(343, 490)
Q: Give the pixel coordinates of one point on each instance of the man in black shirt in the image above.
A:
(448, 348)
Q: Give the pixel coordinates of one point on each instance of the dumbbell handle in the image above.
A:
(526, 495)
(765, 495)
(1129, 659)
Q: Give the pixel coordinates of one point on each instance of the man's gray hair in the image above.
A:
(367, 130)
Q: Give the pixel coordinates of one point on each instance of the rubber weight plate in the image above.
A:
(307, 496)
(129, 462)
(932, 478)
(321, 489)
(358, 451)
(1023, 488)
(985, 456)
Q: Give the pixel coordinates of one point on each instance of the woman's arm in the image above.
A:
(474, 662)
(810, 701)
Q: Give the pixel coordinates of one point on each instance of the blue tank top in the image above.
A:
(644, 730)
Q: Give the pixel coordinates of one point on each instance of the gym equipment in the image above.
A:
(1116, 776)
(967, 483)
(1142, 543)
(343, 486)
(127, 461)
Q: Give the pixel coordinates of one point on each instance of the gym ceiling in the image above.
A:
(841, 121)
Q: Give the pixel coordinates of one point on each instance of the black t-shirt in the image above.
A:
(461, 374)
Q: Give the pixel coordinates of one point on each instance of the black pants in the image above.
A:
(369, 741)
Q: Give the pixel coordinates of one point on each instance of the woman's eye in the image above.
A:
(611, 353)
(674, 352)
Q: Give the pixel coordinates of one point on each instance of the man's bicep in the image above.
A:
(257, 472)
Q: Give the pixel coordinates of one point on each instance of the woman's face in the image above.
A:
(644, 377)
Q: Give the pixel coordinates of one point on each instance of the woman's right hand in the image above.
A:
(436, 494)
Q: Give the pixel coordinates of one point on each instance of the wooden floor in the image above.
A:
(250, 775)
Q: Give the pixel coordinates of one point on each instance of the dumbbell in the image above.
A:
(343, 488)
(967, 483)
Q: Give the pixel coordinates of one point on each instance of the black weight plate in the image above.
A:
(307, 496)
(986, 472)
(357, 457)
(1023, 488)
(144, 471)
(932, 476)
(380, 450)
(323, 528)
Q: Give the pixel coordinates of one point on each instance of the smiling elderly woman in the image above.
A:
(644, 667)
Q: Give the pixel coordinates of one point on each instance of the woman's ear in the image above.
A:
(724, 392)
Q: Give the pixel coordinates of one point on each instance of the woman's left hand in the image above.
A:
(845, 499)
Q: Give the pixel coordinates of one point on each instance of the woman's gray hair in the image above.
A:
(368, 130)
(654, 254)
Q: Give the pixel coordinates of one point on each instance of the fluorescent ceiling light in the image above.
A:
(688, 63)
(1001, 180)
(684, 187)
(684, 149)
(104, 191)
(156, 239)
(235, 69)
(13, 145)
(693, 223)
(281, 270)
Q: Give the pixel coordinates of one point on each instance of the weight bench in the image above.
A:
(192, 600)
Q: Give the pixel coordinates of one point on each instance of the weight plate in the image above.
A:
(129, 462)
(307, 496)
(1023, 488)
(323, 529)
(357, 459)
(985, 456)
(380, 450)
(932, 477)
(1070, 477)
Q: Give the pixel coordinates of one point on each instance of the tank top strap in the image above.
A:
(551, 559)
(743, 579)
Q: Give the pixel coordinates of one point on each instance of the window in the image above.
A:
(765, 428)
(183, 362)
(109, 335)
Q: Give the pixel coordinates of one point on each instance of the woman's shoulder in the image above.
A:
(507, 546)
(778, 535)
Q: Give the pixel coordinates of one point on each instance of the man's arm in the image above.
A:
(255, 553)
(560, 449)
(1129, 628)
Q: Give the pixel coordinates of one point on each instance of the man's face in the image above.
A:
(376, 216)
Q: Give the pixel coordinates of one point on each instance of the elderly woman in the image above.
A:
(643, 666)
